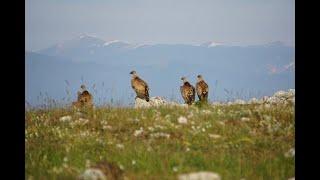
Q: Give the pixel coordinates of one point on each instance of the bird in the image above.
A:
(187, 91)
(140, 86)
(202, 89)
(85, 99)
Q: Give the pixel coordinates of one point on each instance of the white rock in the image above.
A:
(202, 175)
(239, 101)
(92, 174)
(280, 94)
(141, 103)
(154, 102)
(182, 120)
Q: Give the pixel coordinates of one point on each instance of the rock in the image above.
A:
(239, 101)
(141, 103)
(154, 102)
(202, 175)
(92, 174)
(102, 171)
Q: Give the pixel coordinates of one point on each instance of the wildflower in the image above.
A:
(290, 153)
(182, 120)
(120, 146)
(121, 167)
(214, 136)
(188, 149)
(206, 111)
(138, 132)
(175, 169)
(65, 159)
(133, 162)
(65, 118)
(150, 128)
(203, 130)
(244, 119)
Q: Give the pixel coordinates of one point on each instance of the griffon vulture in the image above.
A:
(187, 91)
(140, 87)
(202, 89)
(85, 99)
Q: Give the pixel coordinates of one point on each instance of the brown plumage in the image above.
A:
(187, 91)
(85, 99)
(140, 87)
(202, 89)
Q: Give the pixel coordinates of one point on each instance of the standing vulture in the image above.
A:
(202, 89)
(140, 87)
(85, 99)
(187, 91)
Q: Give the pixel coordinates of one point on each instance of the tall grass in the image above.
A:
(236, 141)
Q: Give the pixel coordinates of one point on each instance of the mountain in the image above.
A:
(231, 71)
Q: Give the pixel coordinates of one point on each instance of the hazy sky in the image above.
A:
(160, 21)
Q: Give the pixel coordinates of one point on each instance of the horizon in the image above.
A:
(216, 43)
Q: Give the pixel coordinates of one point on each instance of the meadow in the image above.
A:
(251, 141)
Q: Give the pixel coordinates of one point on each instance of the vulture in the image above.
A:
(140, 87)
(85, 99)
(202, 89)
(187, 91)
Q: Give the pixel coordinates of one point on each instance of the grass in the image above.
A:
(235, 141)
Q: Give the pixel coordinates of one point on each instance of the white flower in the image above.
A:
(244, 119)
(182, 120)
(65, 159)
(121, 167)
(120, 146)
(138, 132)
(290, 153)
(206, 111)
(133, 162)
(175, 169)
(214, 136)
(65, 118)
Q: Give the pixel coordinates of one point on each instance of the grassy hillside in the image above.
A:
(235, 141)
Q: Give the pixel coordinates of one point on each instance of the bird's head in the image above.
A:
(83, 87)
(184, 79)
(199, 77)
(133, 72)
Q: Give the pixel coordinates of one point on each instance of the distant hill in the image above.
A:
(231, 71)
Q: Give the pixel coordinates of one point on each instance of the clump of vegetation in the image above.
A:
(236, 141)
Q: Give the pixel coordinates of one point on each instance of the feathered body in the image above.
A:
(140, 87)
(85, 99)
(202, 89)
(187, 92)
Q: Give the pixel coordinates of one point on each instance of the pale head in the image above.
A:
(184, 79)
(133, 73)
(83, 87)
(199, 77)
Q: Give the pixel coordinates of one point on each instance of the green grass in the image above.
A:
(252, 149)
